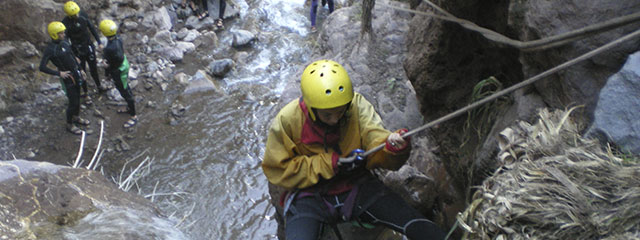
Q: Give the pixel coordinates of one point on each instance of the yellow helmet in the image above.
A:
(108, 28)
(325, 84)
(54, 28)
(71, 8)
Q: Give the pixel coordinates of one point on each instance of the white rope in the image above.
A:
(514, 87)
(540, 44)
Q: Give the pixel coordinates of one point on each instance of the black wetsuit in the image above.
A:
(78, 31)
(118, 70)
(60, 54)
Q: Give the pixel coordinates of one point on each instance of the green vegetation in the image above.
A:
(480, 120)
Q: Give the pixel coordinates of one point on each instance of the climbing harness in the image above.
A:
(506, 91)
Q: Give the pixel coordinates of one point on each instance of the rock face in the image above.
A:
(38, 194)
(616, 116)
(446, 61)
(581, 83)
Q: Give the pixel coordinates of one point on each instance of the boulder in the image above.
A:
(200, 82)
(616, 115)
(220, 67)
(242, 38)
(40, 200)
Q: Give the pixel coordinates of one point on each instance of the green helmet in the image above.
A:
(325, 84)
(54, 28)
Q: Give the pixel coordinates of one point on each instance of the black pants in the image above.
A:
(72, 90)
(375, 204)
(120, 80)
(223, 5)
(87, 54)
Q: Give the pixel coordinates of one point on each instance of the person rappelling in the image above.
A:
(315, 149)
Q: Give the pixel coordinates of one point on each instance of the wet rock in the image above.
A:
(188, 35)
(133, 73)
(50, 197)
(148, 85)
(242, 38)
(199, 82)
(161, 41)
(1, 130)
(185, 47)
(173, 54)
(122, 144)
(153, 67)
(159, 18)
(124, 13)
(152, 104)
(49, 87)
(113, 94)
(616, 115)
(6, 53)
(208, 38)
(220, 67)
(181, 78)
(130, 25)
(581, 84)
(193, 23)
(178, 110)
(240, 57)
(183, 13)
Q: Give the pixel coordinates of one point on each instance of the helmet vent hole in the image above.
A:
(328, 92)
(321, 74)
(312, 72)
(334, 71)
(341, 88)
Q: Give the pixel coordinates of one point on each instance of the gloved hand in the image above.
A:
(353, 161)
(395, 142)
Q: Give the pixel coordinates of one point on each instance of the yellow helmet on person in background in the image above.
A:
(108, 28)
(54, 28)
(71, 8)
(325, 84)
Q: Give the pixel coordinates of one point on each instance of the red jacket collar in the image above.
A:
(313, 133)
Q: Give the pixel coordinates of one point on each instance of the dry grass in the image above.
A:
(554, 184)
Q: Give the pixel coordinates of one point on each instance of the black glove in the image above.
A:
(353, 161)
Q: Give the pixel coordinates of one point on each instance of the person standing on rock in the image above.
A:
(117, 66)
(59, 52)
(78, 28)
(314, 149)
(314, 10)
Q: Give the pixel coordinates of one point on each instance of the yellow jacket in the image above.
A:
(290, 163)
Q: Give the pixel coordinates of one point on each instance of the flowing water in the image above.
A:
(211, 160)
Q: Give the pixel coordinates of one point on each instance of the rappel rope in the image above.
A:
(507, 90)
(539, 44)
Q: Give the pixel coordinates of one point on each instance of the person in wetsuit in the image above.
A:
(59, 52)
(314, 150)
(118, 68)
(78, 27)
